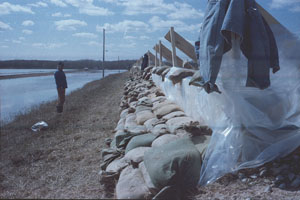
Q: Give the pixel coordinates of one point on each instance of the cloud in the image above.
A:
(284, 3)
(179, 26)
(70, 24)
(87, 7)
(48, 45)
(7, 8)
(38, 4)
(174, 10)
(26, 31)
(93, 43)
(16, 41)
(58, 3)
(59, 14)
(28, 23)
(4, 46)
(295, 9)
(85, 35)
(184, 11)
(4, 26)
(124, 26)
(143, 37)
(128, 37)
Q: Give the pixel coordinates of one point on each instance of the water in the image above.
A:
(5, 72)
(21, 94)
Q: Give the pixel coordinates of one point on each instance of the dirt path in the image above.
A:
(62, 161)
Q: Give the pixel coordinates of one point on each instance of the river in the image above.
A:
(21, 94)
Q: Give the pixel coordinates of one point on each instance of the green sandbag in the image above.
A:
(144, 140)
(177, 163)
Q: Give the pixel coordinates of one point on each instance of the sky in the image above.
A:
(73, 29)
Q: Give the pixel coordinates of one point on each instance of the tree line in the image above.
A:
(78, 64)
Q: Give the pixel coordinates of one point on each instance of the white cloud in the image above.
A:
(70, 24)
(16, 41)
(179, 26)
(283, 3)
(85, 35)
(59, 14)
(174, 10)
(87, 7)
(21, 38)
(295, 9)
(124, 26)
(93, 43)
(48, 45)
(143, 37)
(4, 26)
(128, 37)
(38, 4)
(26, 31)
(184, 11)
(4, 46)
(28, 23)
(59, 3)
(7, 8)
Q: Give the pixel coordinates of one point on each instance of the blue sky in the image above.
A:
(72, 29)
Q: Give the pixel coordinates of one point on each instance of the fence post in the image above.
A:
(160, 54)
(173, 40)
(156, 55)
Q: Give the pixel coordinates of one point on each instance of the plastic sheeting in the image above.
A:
(250, 126)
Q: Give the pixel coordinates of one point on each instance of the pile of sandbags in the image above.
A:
(156, 148)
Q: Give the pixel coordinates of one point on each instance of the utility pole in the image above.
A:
(103, 53)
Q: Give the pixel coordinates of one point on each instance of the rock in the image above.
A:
(253, 176)
(268, 189)
(282, 186)
(291, 176)
(263, 173)
(296, 182)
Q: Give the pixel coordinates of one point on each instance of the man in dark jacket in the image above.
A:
(145, 62)
(61, 84)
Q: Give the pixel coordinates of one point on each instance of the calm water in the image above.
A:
(19, 95)
(5, 72)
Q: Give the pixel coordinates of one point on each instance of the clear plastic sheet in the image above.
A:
(250, 126)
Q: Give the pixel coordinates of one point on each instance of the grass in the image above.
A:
(62, 161)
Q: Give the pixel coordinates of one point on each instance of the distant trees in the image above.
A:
(78, 64)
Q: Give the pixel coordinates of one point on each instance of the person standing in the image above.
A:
(145, 62)
(61, 84)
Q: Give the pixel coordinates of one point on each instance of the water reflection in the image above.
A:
(19, 95)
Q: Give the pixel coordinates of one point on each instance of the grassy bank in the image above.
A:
(62, 161)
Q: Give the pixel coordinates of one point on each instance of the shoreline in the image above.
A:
(3, 77)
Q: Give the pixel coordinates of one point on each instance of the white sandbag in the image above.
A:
(144, 101)
(150, 123)
(121, 124)
(136, 155)
(174, 114)
(164, 139)
(160, 129)
(131, 185)
(178, 123)
(124, 113)
(117, 165)
(166, 109)
(130, 121)
(159, 104)
(142, 108)
(147, 178)
(143, 116)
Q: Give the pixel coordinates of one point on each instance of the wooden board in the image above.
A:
(167, 54)
(183, 45)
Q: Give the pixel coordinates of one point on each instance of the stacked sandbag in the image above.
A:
(156, 148)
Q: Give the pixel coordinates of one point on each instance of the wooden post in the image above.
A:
(156, 55)
(148, 53)
(173, 40)
(160, 54)
(103, 53)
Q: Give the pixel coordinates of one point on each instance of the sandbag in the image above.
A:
(117, 165)
(161, 69)
(131, 185)
(108, 155)
(142, 108)
(136, 155)
(174, 114)
(150, 123)
(143, 116)
(144, 140)
(145, 101)
(178, 123)
(157, 105)
(201, 143)
(177, 163)
(158, 99)
(137, 130)
(180, 74)
(164, 139)
(122, 138)
(130, 121)
(163, 75)
(147, 178)
(120, 125)
(166, 109)
(160, 129)
(124, 113)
